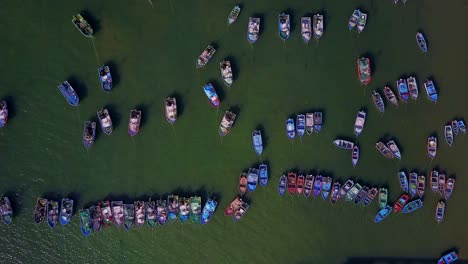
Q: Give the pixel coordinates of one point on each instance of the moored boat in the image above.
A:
(151, 215)
(300, 184)
(242, 183)
(431, 90)
(435, 181)
(390, 95)
(284, 26)
(359, 123)
(139, 213)
(233, 206)
(351, 194)
(300, 125)
(161, 212)
(361, 195)
(233, 14)
(252, 179)
(208, 211)
(82, 25)
(309, 185)
(361, 23)
(318, 121)
(95, 218)
(211, 94)
(403, 90)
(282, 184)
(344, 144)
(326, 187)
(105, 121)
(85, 222)
(421, 185)
(394, 149)
(364, 70)
(421, 42)
(454, 124)
(226, 72)
(318, 182)
(253, 29)
(383, 213)
(172, 207)
(448, 258)
(449, 135)
(292, 183)
(354, 19)
(345, 188)
(461, 126)
(318, 26)
(3, 113)
(413, 184)
(118, 212)
(129, 216)
(449, 186)
(309, 123)
(184, 209)
(205, 57)
(306, 29)
(412, 206)
(89, 133)
(290, 129)
(403, 181)
(355, 155)
(378, 101)
(244, 206)
(69, 93)
(401, 202)
(383, 198)
(413, 87)
(263, 174)
(431, 147)
(6, 211)
(335, 193)
(226, 123)
(386, 152)
(66, 211)
(442, 184)
(134, 122)
(105, 210)
(440, 211)
(105, 78)
(170, 109)
(195, 209)
(40, 210)
(370, 196)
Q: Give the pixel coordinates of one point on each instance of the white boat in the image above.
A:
(344, 144)
(359, 123)
(306, 29)
(226, 72)
(318, 26)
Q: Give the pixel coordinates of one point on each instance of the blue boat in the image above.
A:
(403, 90)
(431, 90)
(300, 125)
(318, 121)
(403, 181)
(172, 207)
(213, 97)
(253, 29)
(284, 26)
(448, 258)
(252, 179)
(3, 113)
(282, 185)
(421, 42)
(317, 185)
(69, 93)
(257, 142)
(208, 210)
(383, 213)
(66, 211)
(85, 222)
(353, 20)
(105, 78)
(412, 206)
(290, 128)
(89, 133)
(184, 209)
(461, 126)
(263, 174)
(326, 187)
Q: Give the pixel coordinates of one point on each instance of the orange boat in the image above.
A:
(233, 206)
(400, 203)
(242, 183)
(292, 184)
(300, 184)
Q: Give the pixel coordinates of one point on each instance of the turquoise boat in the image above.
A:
(284, 26)
(184, 209)
(85, 222)
(383, 213)
(195, 209)
(172, 207)
(412, 206)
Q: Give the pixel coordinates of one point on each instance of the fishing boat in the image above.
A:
(326, 187)
(105, 78)
(82, 25)
(6, 211)
(378, 101)
(442, 184)
(195, 209)
(421, 42)
(370, 196)
(282, 184)
(40, 210)
(354, 19)
(318, 122)
(233, 15)
(242, 183)
(449, 135)
(359, 123)
(412, 206)
(318, 26)
(352, 193)
(290, 130)
(170, 109)
(233, 206)
(454, 124)
(89, 133)
(300, 125)
(309, 123)
(244, 206)
(403, 90)
(300, 184)
(413, 87)
(151, 215)
(3, 113)
(364, 70)
(257, 142)
(361, 23)
(85, 222)
(118, 212)
(318, 182)
(413, 184)
(361, 195)
(449, 185)
(66, 211)
(208, 211)
(105, 121)
(355, 155)
(461, 126)
(134, 122)
(161, 212)
(184, 209)
(95, 218)
(211, 94)
(403, 181)
(383, 213)
(263, 168)
(226, 123)
(104, 208)
(401, 202)
(284, 26)
(129, 216)
(390, 96)
(253, 29)
(431, 90)
(383, 198)
(309, 185)
(386, 152)
(226, 72)
(306, 29)
(435, 181)
(69, 93)
(346, 188)
(421, 185)
(292, 183)
(344, 144)
(335, 193)
(172, 207)
(139, 213)
(394, 149)
(205, 57)
(440, 211)
(252, 179)
(431, 147)
(448, 258)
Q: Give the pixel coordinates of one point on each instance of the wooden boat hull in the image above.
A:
(300, 184)
(422, 44)
(292, 183)
(151, 213)
(403, 181)
(129, 216)
(308, 185)
(449, 135)
(226, 123)
(318, 120)
(161, 212)
(413, 88)
(40, 211)
(105, 121)
(309, 123)
(318, 26)
(118, 212)
(355, 155)
(378, 102)
(390, 95)
(335, 194)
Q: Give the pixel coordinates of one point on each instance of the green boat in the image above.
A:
(383, 197)
(85, 222)
(82, 25)
(129, 216)
(353, 192)
(195, 209)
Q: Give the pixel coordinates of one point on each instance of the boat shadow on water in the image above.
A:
(11, 105)
(144, 108)
(115, 115)
(114, 70)
(263, 24)
(15, 200)
(92, 20)
(180, 103)
(292, 21)
(79, 86)
(219, 90)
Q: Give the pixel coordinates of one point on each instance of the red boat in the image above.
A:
(233, 206)
(300, 184)
(134, 122)
(400, 203)
(104, 209)
(292, 184)
(364, 70)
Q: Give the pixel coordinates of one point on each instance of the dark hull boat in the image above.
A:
(390, 96)
(105, 78)
(89, 133)
(52, 213)
(173, 207)
(205, 57)
(85, 222)
(82, 25)
(308, 185)
(195, 209)
(241, 211)
(253, 29)
(306, 29)
(431, 147)
(290, 129)
(161, 212)
(6, 211)
(3, 113)
(139, 213)
(318, 185)
(412, 206)
(440, 211)
(335, 195)
(386, 152)
(226, 123)
(361, 195)
(449, 135)
(394, 149)
(421, 185)
(151, 216)
(118, 212)
(431, 91)
(257, 142)
(300, 184)
(233, 15)
(309, 123)
(403, 181)
(226, 72)
(454, 124)
(300, 125)
(242, 183)
(105, 210)
(442, 184)
(105, 121)
(129, 216)
(413, 87)
(211, 94)
(370, 196)
(364, 70)
(353, 192)
(403, 90)
(252, 179)
(461, 126)
(40, 210)
(292, 183)
(282, 185)
(134, 122)
(318, 26)
(208, 211)
(95, 218)
(69, 93)
(413, 184)
(383, 213)
(318, 122)
(378, 101)
(421, 42)
(284, 26)
(449, 186)
(170, 109)
(66, 211)
(263, 174)
(435, 181)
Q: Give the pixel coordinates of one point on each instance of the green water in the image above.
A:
(152, 51)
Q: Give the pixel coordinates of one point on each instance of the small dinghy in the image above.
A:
(66, 211)
(454, 124)
(226, 72)
(352, 193)
(282, 185)
(172, 207)
(284, 26)
(359, 123)
(105, 78)
(378, 101)
(233, 15)
(205, 57)
(390, 96)
(95, 218)
(85, 222)
(134, 122)
(421, 185)
(361, 24)
(208, 211)
(290, 129)
(82, 25)
(431, 90)
(318, 185)
(413, 184)
(300, 184)
(364, 70)
(263, 174)
(129, 216)
(449, 188)
(292, 183)
(105, 121)
(211, 94)
(394, 149)
(421, 42)
(161, 212)
(242, 183)
(449, 135)
(434, 181)
(139, 213)
(118, 212)
(105, 210)
(244, 206)
(412, 206)
(431, 147)
(89, 133)
(52, 213)
(318, 122)
(233, 206)
(370, 196)
(344, 144)
(326, 187)
(413, 88)
(353, 20)
(403, 90)
(335, 194)
(355, 155)
(461, 126)
(170, 109)
(300, 125)
(440, 211)
(184, 209)
(69, 93)
(403, 181)
(6, 211)
(252, 179)
(151, 215)
(442, 184)
(306, 29)
(253, 29)
(318, 26)
(448, 258)
(346, 188)
(309, 185)
(361, 195)
(383, 213)
(383, 198)
(226, 123)
(400, 203)
(386, 152)
(257, 142)
(3, 113)
(309, 123)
